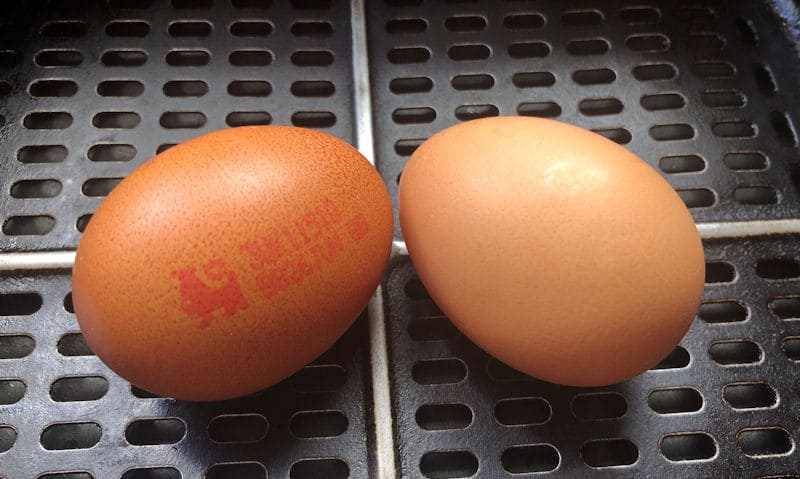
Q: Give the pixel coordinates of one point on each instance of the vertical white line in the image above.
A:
(362, 107)
(381, 394)
(378, 351)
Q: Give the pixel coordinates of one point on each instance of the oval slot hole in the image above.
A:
(76, 435)
(522, 411)
(439, 371)
(749, 395)
(124, 58)
(250, 58)
(74, 344)
(53, 88)
(242, 118)
(120, 88)
(787, 307)
(523, 21)
(185, 88)
(761, 442)
(688, 447)
(528, 50)
(465, 23)
(42, 154)
(597, 76)
(655, 72)
(237, 470)
(16, 346)
(11, 391)
(438, 417)
(734, 352)
(143, 432)
(697, 197)
(85, 388)
(305, 89)
(116, 119)
(410, 85)
(309, 424)
(791, 348)
(716, 70)
(312, 29)
(675, 400)
(681, 164)
(190, 29)
(597, 406)
(778, 268)
(528, 459)
(318, 468)
(36, 189)
(609, 453)
(678, 358)
(318, 378)
(600, 106)
(152, 473)
(722, 312)
(238, 428)
(746, 160)
(29, 225)
(448, 464)
(472, 112)
(435, 328)
(254, 88)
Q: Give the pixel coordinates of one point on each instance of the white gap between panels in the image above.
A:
(707, 231)
(378, 349)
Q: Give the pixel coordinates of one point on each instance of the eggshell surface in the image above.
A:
(556, 250)
(228, 262)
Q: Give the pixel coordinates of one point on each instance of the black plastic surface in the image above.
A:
(69, 412)
(688, 86)
(91, 89)
(105, 88)
(724, 404)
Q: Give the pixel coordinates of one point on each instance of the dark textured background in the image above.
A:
(91, 89)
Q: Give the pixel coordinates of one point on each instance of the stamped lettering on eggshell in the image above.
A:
(204, 297)
(283, 258)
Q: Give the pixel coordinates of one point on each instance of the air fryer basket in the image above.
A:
(703, 91)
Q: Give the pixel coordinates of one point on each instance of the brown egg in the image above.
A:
(228, 262)
(554, 249)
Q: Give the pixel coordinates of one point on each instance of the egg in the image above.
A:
(556, 250)
(228, 262)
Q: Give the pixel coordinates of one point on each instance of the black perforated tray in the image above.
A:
(688, 86)
(723, 404)
(69, 412)
(90, 89)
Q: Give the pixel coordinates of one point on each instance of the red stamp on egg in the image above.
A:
(281, 259)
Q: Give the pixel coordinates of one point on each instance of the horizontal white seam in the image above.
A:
(707, 231)
(43, 260)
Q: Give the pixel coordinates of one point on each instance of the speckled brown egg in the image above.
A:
(228, 262)
(556, 250)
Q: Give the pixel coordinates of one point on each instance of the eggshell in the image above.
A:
(228, 262)
(554, 249)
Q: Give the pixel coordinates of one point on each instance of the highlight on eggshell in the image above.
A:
(228, 262)
(553, 248)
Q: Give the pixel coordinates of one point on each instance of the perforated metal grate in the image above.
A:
(724, 403)
(62, 410)
(685, 85)
(91, 90)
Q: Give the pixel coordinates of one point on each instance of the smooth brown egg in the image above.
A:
(228, 262)
(556, 250)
